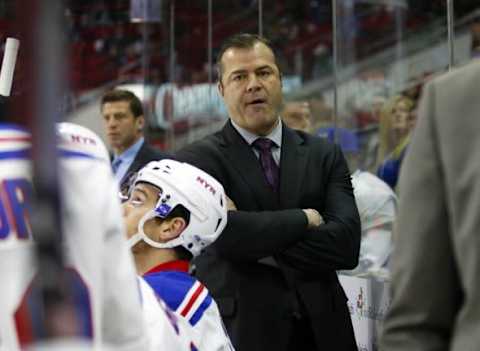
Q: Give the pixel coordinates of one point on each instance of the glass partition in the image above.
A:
(384, 53)
(386, 50)
(466, 17)
(165, 51)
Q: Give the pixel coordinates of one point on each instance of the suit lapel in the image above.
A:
(245, 162)
(293, 162)
(136, 164)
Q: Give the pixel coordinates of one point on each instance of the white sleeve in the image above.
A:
(211, 332)
(122, 313)
(165, 329)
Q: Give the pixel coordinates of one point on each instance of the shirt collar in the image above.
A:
(177, 265)
(275, 135)
(131, 151)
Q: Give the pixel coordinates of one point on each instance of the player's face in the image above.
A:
(251, 87)
(143, 199)
(122, 127)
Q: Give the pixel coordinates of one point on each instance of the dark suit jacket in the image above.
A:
(258, 301)
(144, 156)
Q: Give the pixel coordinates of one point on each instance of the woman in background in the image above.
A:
(396, 123)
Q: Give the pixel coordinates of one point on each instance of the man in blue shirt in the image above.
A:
(124, 123)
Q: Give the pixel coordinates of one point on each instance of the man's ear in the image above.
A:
(220, 88)
(140, 121)
(171, 228)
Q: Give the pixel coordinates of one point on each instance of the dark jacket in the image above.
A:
(267, 268)
(146, 154)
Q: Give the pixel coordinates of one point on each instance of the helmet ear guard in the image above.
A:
(197, 191)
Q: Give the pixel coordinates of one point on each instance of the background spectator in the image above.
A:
(122, 114)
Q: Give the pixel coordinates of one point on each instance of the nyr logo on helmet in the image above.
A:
(206, 185)
(79, 139)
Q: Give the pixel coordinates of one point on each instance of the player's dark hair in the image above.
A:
(180, 211)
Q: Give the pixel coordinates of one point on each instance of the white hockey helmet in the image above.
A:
(201, 194)
(81, 140)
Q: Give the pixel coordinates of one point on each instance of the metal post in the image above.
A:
(335, 67)
(172, 41)
(401, 73)
(451, 33)
(260, 17)
(145, 67)
(45, 90)
(209, 43)
(170, 130)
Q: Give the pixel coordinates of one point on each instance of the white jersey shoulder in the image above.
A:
(192, 301)
(101, 267)
(16, 248)
(166, 330)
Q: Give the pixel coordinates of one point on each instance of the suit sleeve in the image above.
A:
(263, 234)
(250, 236)
(424, 278)
(335, 244)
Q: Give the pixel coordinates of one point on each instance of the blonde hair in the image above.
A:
(387, 143)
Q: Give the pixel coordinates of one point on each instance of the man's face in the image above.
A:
(251, 88)
(122, 127)
(143, 199)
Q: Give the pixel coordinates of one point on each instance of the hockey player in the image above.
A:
(16, 248)
(172, 212)
(106, 300)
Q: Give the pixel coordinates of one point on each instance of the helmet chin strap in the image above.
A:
(140, 235)
(134, 240)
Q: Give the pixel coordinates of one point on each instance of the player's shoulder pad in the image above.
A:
(182, 293)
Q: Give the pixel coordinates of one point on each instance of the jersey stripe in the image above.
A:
(207, 301)
(20, 154)
(17, 139)
(187, 296)
(67, 154)
(7, 127)
(197, 303)
(190, 299)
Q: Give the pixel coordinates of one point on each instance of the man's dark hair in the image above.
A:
(116, 95)
(240, 41)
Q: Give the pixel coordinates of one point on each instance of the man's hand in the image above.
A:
(314, 218)
(231, 205)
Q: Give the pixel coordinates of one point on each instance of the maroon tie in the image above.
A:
(270, 168)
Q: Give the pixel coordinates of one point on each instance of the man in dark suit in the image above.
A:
(124, 122)
(293, 221)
